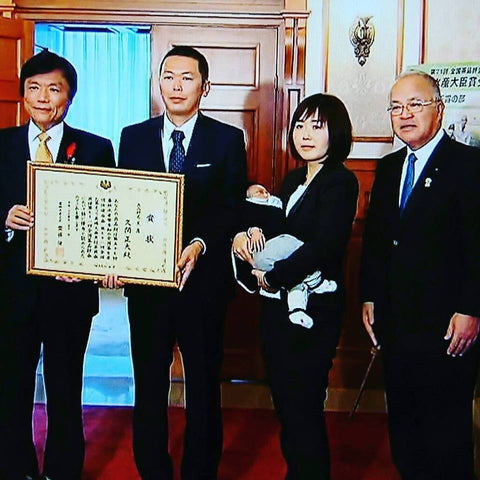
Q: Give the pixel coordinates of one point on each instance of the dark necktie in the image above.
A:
(177, 155)
(408, 183)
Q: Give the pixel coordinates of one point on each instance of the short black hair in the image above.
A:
(46, 62)
(331, 110)
(186, 51)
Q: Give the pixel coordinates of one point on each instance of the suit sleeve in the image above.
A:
(221, 218)
(3, 207)
(469, 231)
(124, 152)
(106, 157)
(332, 228)
(371, 259)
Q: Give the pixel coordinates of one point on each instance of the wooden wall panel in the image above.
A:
(247, 120)
(294, 87)
(243, 64)
(242, 73)
(155, 5)
(9, 113)
(354, 347)
(16, 45)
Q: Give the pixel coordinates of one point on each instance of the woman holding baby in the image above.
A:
(319, 203)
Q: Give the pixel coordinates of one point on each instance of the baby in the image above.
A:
(265, 209)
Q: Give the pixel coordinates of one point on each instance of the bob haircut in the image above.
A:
(190, 52)
(332, 111)
(46, 62)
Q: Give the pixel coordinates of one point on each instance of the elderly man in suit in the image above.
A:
(420, 284)
(34, 310)
(211, 155)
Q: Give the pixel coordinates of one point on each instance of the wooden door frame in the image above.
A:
(287, 17)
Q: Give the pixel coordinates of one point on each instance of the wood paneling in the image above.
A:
(294, 87)
(243, 69)
(16, 45)
(155, 5)
(6, 8)
(353, 352)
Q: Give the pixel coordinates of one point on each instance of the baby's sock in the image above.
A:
(300, 317)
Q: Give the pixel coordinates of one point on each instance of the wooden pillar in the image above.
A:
(294, 79)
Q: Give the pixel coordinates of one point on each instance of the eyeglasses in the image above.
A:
(414, 106)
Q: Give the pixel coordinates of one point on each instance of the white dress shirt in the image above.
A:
(422, 154)
(55, 133)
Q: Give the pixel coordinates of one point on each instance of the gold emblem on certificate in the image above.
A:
(91, 221)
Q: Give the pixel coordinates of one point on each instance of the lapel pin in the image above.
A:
(71, 153)
(428, 182)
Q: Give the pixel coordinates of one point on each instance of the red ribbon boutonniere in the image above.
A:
(71, 152)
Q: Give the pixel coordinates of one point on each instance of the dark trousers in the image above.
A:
(429, 399)
(197, 323)
(64, 332)
(297, 361)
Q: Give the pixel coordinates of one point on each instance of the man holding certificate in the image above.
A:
(212, 157)
(33, 309)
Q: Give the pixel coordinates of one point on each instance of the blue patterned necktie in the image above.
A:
(408, 183)
(177, 155)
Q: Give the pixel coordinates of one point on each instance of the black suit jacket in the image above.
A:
(17, 290)
(322, 218)
(270, 219)
(215, 171)
(422, 267)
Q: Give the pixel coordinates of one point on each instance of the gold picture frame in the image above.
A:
(92, 221)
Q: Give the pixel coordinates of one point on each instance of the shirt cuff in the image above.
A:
(265, 281)
(198, 239)
(8, 234)
(267, 278)
(250, 231)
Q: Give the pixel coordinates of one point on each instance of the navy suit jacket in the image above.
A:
(17, 290)
(322, 218)
(215, 171)
(421, 267)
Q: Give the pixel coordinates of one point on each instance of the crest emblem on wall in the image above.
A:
(362, 35)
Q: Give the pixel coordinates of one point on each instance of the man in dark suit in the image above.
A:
(211, 154)
(34, 310)
(420, 281)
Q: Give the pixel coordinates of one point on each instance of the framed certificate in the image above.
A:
(90, 221)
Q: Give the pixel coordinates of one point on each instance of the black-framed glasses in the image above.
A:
(414, 106)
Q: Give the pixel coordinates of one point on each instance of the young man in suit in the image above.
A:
(211, 155)
(420, 284)
(34, 310)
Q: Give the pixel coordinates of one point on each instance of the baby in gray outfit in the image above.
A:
(266, 253)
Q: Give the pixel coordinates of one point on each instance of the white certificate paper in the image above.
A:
(91, 221)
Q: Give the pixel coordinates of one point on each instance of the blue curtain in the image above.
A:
(113, 66)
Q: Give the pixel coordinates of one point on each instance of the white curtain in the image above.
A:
(113, 66)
